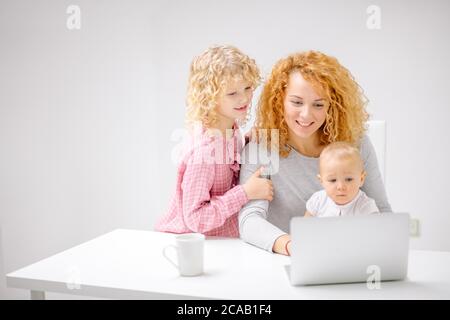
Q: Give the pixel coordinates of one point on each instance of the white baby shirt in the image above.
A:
(320, 205)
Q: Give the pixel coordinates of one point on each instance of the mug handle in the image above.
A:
(167, 257)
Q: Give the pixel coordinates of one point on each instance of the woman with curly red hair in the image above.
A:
(310, 100)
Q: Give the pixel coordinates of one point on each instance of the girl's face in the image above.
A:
(234, 100)
(304, 110)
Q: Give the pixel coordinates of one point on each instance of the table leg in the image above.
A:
(37, 295)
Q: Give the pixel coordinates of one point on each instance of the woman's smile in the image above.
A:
(304, 124)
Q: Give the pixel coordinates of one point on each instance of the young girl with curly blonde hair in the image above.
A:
(312, 100)
(208, 197)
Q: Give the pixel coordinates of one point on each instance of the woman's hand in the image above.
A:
(283, 245)
(258, 188)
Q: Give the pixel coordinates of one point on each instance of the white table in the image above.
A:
(128, 264)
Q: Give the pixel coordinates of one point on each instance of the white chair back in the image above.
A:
(377, 133)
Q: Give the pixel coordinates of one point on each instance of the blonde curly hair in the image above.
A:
(346, 115)
(209, 74)
(340, 150)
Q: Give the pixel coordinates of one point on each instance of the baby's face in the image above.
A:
(341, 179)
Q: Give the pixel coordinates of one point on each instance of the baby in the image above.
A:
(341, 175)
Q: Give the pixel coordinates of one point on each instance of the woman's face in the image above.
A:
(304, 110)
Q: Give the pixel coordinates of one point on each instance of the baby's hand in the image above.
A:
(258, 188)
(308, 214)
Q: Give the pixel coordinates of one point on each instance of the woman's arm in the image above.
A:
(253, 225)
(373, 185)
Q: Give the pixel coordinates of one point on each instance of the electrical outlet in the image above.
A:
(414, 228)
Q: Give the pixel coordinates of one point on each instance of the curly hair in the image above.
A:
(346, 115)
(209, 74)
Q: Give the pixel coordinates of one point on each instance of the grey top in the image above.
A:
(294, 181)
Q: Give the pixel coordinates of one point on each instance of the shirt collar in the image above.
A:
(348, 205)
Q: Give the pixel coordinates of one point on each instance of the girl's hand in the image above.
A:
(258, 188)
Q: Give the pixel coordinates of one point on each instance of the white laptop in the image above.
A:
(349, 248)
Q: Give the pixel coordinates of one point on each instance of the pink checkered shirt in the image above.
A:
(207, 198)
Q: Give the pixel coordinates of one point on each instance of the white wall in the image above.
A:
(86, 116)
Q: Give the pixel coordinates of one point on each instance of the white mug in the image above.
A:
(189, 247)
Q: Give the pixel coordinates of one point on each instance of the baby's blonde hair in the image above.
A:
(209, 73)
(340, 150)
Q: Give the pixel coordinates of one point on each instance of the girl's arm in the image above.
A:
(201, 212)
